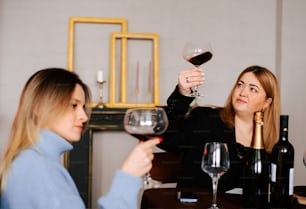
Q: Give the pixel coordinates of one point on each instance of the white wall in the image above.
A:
(293, 85)
(33, 35)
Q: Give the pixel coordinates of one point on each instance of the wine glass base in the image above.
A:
(150, 183)
(214, 207)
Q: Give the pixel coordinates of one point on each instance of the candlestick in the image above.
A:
(100, 82)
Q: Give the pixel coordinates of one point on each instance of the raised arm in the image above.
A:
(127, 182)
(178, 105)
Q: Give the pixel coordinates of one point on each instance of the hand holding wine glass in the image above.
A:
(197, 54)
(144, 124)
(186, 84)
(139, 161)
(215, 163)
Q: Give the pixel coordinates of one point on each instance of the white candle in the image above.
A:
(100, 76)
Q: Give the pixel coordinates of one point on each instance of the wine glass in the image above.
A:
(145, 123)
(215, 163)
(197, 54)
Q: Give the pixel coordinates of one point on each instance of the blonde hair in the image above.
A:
(45, 96)
(271, 115)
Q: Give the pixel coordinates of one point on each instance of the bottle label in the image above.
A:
(273, 172)
(291, 181)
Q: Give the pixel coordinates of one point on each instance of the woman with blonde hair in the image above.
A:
(271, 110)
(52, 114)
(256, 89)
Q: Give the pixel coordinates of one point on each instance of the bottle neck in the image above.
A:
(283, 129)
(284, 135)
(257, 142)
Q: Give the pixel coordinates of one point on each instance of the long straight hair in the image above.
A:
(271, 115)
(45, 97)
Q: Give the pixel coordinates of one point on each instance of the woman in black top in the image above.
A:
(189, 129)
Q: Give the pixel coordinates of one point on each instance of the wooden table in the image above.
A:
(166, 198)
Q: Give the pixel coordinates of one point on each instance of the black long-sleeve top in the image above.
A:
(189, 131)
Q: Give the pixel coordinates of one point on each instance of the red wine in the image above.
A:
(256, 173)
(200, 59)
(144, 137)
(282, 161)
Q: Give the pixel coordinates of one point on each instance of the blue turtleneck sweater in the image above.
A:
(38, 180)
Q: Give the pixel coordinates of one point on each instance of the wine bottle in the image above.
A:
(282, 168)
(256, 170)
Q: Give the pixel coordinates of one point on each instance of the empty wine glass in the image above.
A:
(144, 124)
(215, 163)
(197, 54)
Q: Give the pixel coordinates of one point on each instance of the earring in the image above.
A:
(263, 109)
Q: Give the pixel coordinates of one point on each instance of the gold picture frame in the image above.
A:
(71, 31)
(122, 103)
(124, 36)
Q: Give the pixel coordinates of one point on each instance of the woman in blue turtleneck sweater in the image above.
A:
(51, 115)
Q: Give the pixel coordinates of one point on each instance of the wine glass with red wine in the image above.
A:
(144, 124)
(197, 54)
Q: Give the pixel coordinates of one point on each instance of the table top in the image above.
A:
(166, 198)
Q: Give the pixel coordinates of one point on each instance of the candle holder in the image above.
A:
(100, 104)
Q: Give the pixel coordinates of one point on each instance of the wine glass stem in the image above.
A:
(215, 187)
(147, 179)
(195, 93)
